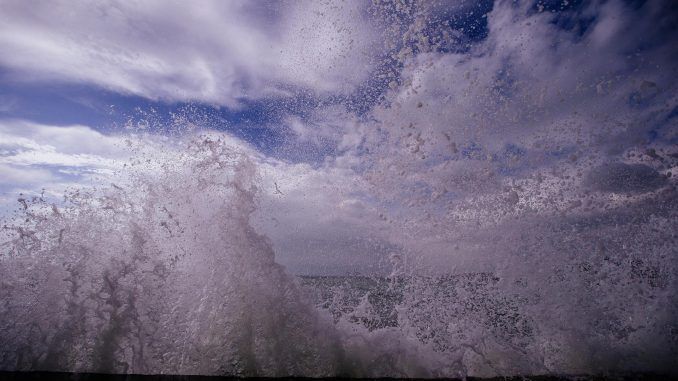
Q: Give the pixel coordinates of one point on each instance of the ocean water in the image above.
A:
(164, 273)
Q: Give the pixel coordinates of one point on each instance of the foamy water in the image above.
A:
(166, 274)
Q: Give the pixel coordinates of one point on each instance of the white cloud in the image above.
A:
(208, 51)
(37, 158)
(17, 176)
(26, 143)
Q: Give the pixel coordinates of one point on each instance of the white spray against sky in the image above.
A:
(491, 196)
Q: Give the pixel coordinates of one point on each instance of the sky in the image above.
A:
(377, 127)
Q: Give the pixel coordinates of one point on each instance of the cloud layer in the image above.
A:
(208, 51)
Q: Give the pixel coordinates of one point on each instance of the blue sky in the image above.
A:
(429, 104)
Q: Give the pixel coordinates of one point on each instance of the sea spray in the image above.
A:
(163, 273)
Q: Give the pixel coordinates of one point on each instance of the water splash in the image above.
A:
(163, 272)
